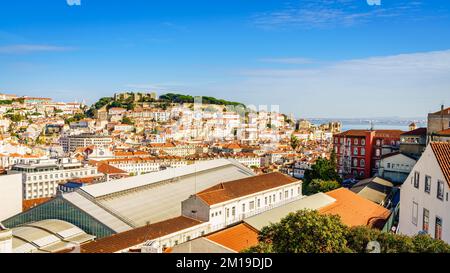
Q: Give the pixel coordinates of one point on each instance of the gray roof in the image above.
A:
(313, 202)
(200, 245)
(47, 236)
(137, 201)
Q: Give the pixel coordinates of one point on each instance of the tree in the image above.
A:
(318, 185)
(309, 232)
(323, 169)
(127, 120)
(304, 232)
(295, 142)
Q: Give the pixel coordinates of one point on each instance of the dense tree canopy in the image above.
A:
(318, 185)
(323, 169)
(304, 232)
(178, 98)
(310, 232)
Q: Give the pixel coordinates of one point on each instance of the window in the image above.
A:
(363, 142)
(415, 212)
(355, 151)
(388, 165)
(426, 220)
(363, 163)
(378, 152)
(259, 203)
(228, 213)
(252, 205)
(440, 190)
(427, 184)
(438, 229)
(355, 162)
(356, 141)
(243, 207)
(286, 194)
(233, 211)
(378, 142)
(416, 179)
(363, 151)
(265, 200)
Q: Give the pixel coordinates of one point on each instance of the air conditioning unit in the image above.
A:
(151, 247)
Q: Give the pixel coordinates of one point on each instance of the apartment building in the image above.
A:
(229, 203)
(359, 152)
(142, 165)
(71, 143)
(424, 197)
(438, 122)
(41, 179)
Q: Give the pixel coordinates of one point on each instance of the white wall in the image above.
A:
(10, 195)
(427, 165)
(5, 241)
(218, 213)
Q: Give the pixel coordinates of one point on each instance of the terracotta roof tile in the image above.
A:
(237, 238)
(442, 152)
(445, 132)
(417, 132)
(355, 210)
(138, 236)
(242, 187)
(108, 169)
(446, 112)
(29, 204)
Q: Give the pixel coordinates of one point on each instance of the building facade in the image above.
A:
(41, 179)
(71, 143)
(359, 152)
(231, 202)
(424, 200)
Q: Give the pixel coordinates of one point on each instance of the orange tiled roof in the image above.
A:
(242, 187)
(444, 132)
(237, 238)
(442, 152)
(108, 169)
(355, 210)
(138, 236)
(388, 133)
(354, 133)
(29, 204)
(446, 112)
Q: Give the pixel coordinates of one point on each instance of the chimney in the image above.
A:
(442, 117)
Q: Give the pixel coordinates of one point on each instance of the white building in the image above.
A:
(71, 143)
(228, 203)
(10, 195)
(396, 167)
(5, 240)
(41, 179)
(140, 166)
(424, 202)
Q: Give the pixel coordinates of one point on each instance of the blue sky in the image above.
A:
(321, 58)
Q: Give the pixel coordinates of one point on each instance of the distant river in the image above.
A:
(405, 128)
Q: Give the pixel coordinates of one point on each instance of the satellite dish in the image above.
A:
(373, 247)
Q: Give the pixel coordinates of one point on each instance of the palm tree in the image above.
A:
(295, 142)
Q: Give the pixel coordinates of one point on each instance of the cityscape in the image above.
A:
(347, 154)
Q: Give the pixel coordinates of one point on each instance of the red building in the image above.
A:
(359, 151)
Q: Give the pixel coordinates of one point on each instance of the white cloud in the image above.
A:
(29, 48)
(404, 84)
(332, 13)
